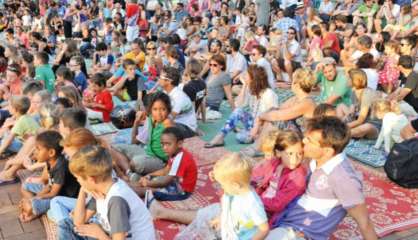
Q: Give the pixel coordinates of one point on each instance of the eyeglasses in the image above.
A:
(293, 33)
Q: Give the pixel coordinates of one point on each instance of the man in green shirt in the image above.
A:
(43, 71)
(365, 13)
(334, 84)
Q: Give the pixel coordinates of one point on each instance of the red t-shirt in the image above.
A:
(332, 37)
(104, 98)
(184, 167)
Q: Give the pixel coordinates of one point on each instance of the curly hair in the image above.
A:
(258, 80)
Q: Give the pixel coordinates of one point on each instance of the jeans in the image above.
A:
(39, 206)
(65, 231)
(15, 145)
(60, 208)
(239, 115)
(172, 192)
(284, 234)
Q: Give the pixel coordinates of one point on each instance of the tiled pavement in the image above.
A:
(12, 229)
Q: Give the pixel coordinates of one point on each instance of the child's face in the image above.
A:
(42, 154)
(96, 88)
(170, 144)
(86, 183)
(36, 61)
(130, 70)
(292, 156)
(159, 111)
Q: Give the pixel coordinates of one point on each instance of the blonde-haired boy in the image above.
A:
(120, 212)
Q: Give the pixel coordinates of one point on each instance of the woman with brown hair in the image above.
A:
(254, 99)
(219, 83)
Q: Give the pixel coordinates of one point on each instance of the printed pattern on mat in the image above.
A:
(391, 207)
(206, 193)
(364, 151)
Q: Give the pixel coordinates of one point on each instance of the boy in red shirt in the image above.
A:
(100, 105)
(177, 180)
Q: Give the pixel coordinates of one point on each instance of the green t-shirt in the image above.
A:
(364, 9)
(24, 127)
(154, 147)
(44, 73)
(338, 87)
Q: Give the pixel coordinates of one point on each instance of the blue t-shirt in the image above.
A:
(80, 81)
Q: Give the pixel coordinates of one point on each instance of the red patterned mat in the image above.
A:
(391, 207)
(203, 156)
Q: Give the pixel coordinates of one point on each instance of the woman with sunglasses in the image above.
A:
(153, 63)
(255, 98)
(218, 83)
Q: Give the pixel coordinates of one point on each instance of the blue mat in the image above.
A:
(363, 151)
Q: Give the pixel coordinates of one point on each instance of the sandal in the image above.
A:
(149, 197)
(211, 145)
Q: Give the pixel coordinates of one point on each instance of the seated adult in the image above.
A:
(362, 124)
(334, 84)
(254, 99)
(183, 112)
(299, 106)
(218, 83)
(410, 130)
(408, 90)
(366, 63)
(326, 201)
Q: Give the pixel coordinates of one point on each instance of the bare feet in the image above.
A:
(26, 213)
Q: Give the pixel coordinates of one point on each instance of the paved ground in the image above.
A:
(12, 229)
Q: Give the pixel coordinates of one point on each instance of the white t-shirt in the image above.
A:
(262, 62)
(295, 49)
(239, 221)
(235, 63)
(262, 40)
(122, 210)
(372, 77)
(183, 106)
(357, 54)
(27, 20)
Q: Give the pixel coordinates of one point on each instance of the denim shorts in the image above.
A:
(39, 206)
(172, 192)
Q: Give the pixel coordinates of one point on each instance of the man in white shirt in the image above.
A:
(257, 56)
(261, 35)
(235, 61)
(364, 46)
(182, 112)
(291, 53)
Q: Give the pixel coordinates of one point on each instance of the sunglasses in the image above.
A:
(293, 33)
(213, 65)
(151, 48)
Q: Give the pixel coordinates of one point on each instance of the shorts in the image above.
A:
(132, 32)
(376, 123)
(284, 233)
(295, 65)
(172, 192)
(39, 206)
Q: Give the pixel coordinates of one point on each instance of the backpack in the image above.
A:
(402, 164)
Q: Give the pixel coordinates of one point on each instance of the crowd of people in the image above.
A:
(66, 65)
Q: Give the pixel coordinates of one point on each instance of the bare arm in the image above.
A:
(361, 118)
(228, 93)
(6, 142)
(262, 232)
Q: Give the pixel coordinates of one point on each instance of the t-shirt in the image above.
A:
(24, 127)
(332, 37)
(412, 83)
(44, 73)
(123, 211)
(139, 57)
(61, 175)
(364, 9)
(80, 81)
(338, 87)
(105, 98)
(182, 105)
(133, 86)
(184, 167)
(215, 87)
(195, 89)
(372, 77)
(236, 63)
(241, 214)
(332, 189)
(295, 49)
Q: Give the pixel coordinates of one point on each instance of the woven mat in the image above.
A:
(364, 151)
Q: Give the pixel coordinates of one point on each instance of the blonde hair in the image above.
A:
(92, 161)
(279, 140)
(49, 115)
(305, 79)
(383, 106)
(358, 78)
(233, 168)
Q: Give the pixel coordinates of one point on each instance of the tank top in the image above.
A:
(154, 147)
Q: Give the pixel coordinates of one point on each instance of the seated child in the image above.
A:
(64, 77)
(145, 154)
(121, 213)
(177, 180)
(49, 117)
(324, 110)
(393, 123)
(102, 60)
(71, 119)
(23, 127)
(100, 105)
(80, 78)
(56, 179)
(282, 178)
(43, 71)
(131, 86)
